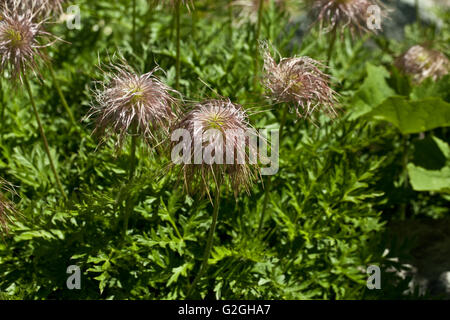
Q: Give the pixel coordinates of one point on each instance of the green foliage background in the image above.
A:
(340, 182)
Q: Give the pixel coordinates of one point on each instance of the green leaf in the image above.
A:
(429, 180)
(372, 92)
(413, 116)
(179, 271)
(424, 179)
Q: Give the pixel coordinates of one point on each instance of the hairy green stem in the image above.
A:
(269, 180)
(129, 204)
(209, 243)
(416, 4)
(178, 41)
(134, 24)
(194, 15)
(44, 138)
(230, 17)
(257, 35)
(60, 93)
(405, 156)
(331, 45)
(133, 155)
(2, 114)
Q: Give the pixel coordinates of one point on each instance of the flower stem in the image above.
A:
(230, 17)
(178, 32)
(331, 45)
(2, 114)
(417, 12)
(133, 156)
(209, 243)
(257, 35)
(44, 138)
(134, 24)
(60, 93)
(405, 156)
(129, 204)
(269, 180)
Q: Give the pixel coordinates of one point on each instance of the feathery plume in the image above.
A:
(188, 3)
(221, 129)
(7, 209)
(422, 63)
(299, 82)
(44, 8)
(51, 7)
(339, 14)
(127, 101)
(248, 9)
(21, 41)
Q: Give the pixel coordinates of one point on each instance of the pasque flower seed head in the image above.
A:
(299, 82)
(338, 15)
(422, 63)
(221, 126)
(127, 102)
(7, 209)
(21, 40)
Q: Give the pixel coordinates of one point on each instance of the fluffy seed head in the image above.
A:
(422, 63)
(340, 14)
(298, 81)
(21, 41)
(7, 209)
(50, 7)
(248, 10)
(43, 8)
(128, 102)
(219, 129)
(172, 3)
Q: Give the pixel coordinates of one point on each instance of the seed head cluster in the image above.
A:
(188, 3)
(229, 123)
(299, 82)
(50, 7)
(21, 41)
(338, 15)
(422, 63)
(7, 209)
(127, 102)
(248, 9)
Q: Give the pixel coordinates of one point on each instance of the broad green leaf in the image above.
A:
(372, 92)
(413, 116)
(429, 180)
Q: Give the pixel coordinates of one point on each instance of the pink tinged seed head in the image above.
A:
(422, 63)
(300, 83)
(172, 3)
(21, 41)
(130, 103)
(337, 15)
(7, 210)
(222, 126)
(247, 10)
(49, 7)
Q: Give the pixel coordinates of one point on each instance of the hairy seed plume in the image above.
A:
(422, 63)
(299, 82)
(219, 125)
(130, 103)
